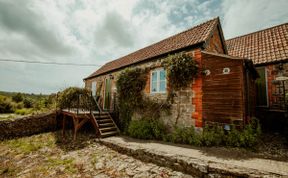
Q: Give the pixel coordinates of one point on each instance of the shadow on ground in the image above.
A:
(84, 139)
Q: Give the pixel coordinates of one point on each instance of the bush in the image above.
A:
(146, 129)
(215, 136)
(68, 98)
(246, 138)
(186, 135)
(17, 98)
(24, 111)
(6, 106)
(212, 136)
(28, 103)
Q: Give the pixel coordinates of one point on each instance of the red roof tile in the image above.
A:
(265, 46)
(193, 36)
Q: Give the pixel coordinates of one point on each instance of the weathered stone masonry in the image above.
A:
(27, 125)
(184, 112)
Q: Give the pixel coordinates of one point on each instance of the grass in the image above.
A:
(26, 145)
(24, 111)
(67, 163)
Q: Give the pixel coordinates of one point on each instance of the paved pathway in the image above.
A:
(265, 165)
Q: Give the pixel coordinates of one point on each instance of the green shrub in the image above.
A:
(212, 136)
(140, 129)
(146, 129)
(68, 98)
(215, 136)
(186, 135)
(23, 111)
(246, 138)
(17, 97)
(6, 105)
(28, 103)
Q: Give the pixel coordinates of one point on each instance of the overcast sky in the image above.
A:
(95, 32)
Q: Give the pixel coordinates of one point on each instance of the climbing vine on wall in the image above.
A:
(130, 86)
(181, 69)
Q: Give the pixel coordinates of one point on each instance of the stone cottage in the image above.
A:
(268, 49)
(225, 94)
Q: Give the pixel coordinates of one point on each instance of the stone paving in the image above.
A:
(185, 158)
(44, 156)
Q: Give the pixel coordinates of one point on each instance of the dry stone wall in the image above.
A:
(26, 126)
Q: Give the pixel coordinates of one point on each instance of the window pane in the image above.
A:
(154, 87)
(93, 88)
(163, 86)
(261, 90)
(162, 75)
(154, 76)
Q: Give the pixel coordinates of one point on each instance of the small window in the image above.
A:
(158, 81)
(93, 88)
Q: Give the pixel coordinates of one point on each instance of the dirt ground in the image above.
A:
(47, 155)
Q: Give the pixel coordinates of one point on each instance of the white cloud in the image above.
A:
(90, 31)
(246, 16)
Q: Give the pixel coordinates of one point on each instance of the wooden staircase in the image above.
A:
(105, 124)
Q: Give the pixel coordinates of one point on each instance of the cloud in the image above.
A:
(89, 31)
(21, 20)
(245, 16)
(114, 32)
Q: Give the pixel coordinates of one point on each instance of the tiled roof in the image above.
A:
(265, 46)
(193, 36)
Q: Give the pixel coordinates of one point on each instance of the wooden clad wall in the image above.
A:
(223, 98)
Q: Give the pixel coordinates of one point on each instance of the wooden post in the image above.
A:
(63, 126)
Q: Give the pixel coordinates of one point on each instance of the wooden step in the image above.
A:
(107, 129)
(107, 134)
(104, 121)
(106, 125)
(101, 116)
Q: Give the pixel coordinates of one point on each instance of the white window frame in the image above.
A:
(158, 81)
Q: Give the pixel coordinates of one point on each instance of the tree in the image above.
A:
(27, 103)
(17, 98)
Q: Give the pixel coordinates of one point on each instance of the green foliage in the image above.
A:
(31, 103)
(68, 98)
(17, 97)
(212, 136)
(181, 69)
(6, 105)
(215, 136)
(146, 129)
(186, 135)
(28, 103)
(130, 85)
(248, 137)
(24, 111)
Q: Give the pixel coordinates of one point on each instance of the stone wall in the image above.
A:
(26, 126)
